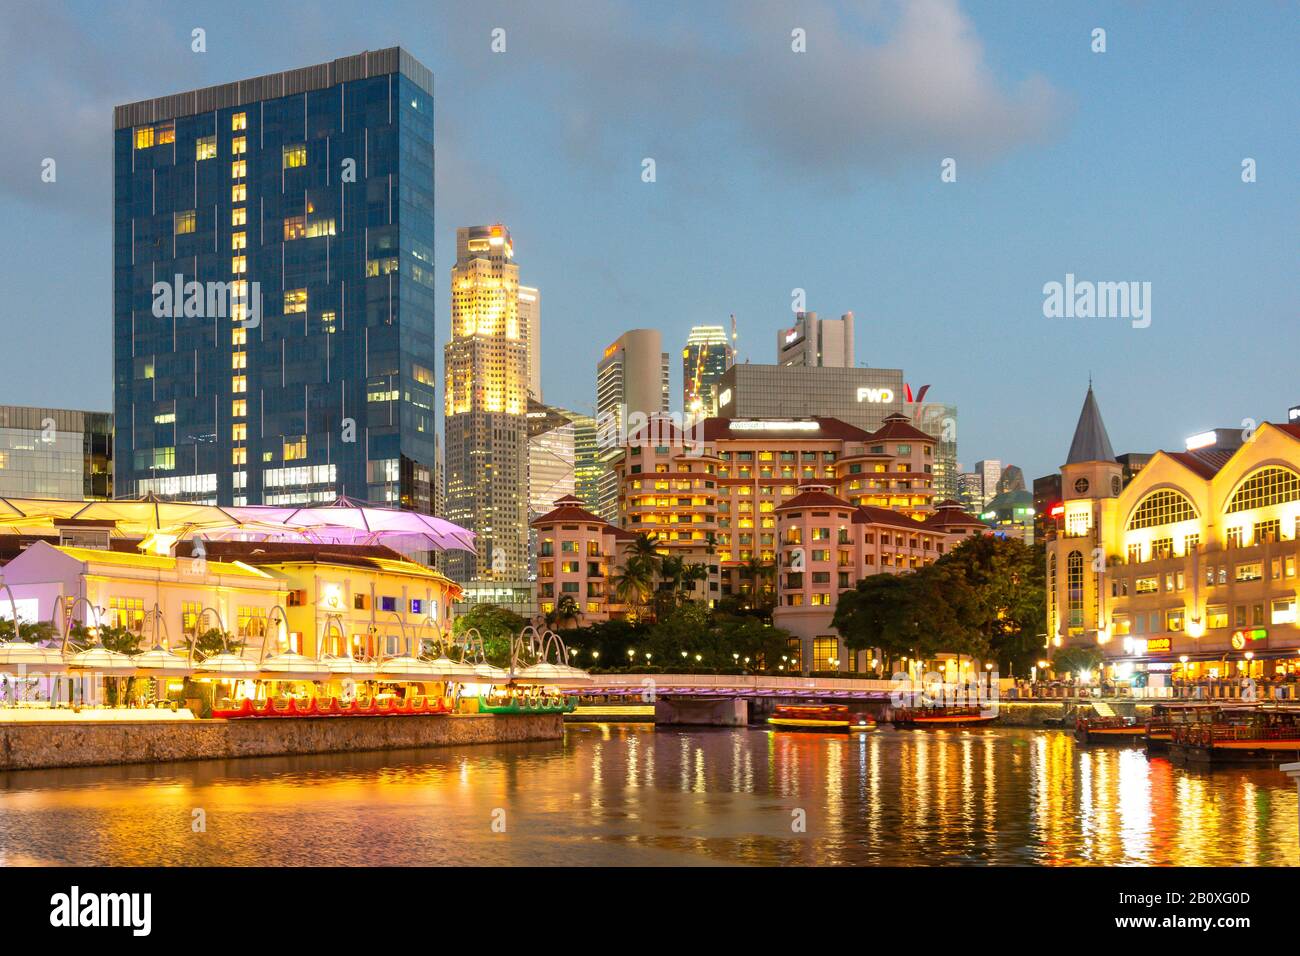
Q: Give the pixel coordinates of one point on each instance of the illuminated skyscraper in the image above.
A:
(486, 373)
(706, 357)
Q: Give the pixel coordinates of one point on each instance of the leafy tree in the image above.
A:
(1069, 661)
(114, 637)
(566, 609)
(497, 625)
(212, 641)
(33, 632)
(634, 583)
(1008, 579)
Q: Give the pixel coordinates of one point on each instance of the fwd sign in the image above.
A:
(876, 395)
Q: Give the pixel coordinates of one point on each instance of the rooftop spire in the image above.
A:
(1091, 443)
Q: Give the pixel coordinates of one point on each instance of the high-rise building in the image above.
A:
(862, 397)
(939, 421)
(530, 326)
(486, 370)
(990, 473)
(273, 304)
(587, 466)
(631, 384)
(708, 354)
(55, 453)
(823, 343)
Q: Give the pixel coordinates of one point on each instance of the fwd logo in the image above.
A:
(876, 395)
(75, 908)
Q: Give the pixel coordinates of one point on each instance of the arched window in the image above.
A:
(1268, 486)
(1160, 508)
(1051, 595)
(1074, 589)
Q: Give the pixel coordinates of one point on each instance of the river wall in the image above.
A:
(29, 746)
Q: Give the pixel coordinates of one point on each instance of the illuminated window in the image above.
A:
(239, 360)
(238, 193)
(239, 217)
(164, 418)
(294, 228)
(205, 147)
(239, 121)
(295, 300)
(239, 146)
(824, 651)
(239, 336)
(1074, 588)
(1268, 486)
(1160, 508)
(239, 169)
(239, 432)
(239, 408)
(143, 137)
(252, 621)
(239, 265)
(239, 384)
(327, 321)
(239, 456)
(320, 227)
(239, 240)
(126, 612)
(295, 447)
(184, 222)
(295, 155)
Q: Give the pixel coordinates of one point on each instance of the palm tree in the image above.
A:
(757, 571)
(634, 582)
(672, 569)
(693, 573)
(566, 609)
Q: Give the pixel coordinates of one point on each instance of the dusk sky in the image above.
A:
(776, 170)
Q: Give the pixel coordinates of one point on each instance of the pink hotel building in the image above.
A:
(797, 510)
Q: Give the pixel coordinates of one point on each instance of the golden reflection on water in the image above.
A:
(614, 794)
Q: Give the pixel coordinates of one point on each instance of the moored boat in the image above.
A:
(1258, 734)
(1099, 724)
(832, 718)
(951, 716)
(1165, 716)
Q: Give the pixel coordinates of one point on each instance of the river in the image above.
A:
(632, 794)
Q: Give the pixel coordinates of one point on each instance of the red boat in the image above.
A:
(333, 707)
(922, 717)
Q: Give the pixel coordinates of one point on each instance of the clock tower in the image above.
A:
(1091, 480)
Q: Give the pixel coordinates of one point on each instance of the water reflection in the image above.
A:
(629, 794)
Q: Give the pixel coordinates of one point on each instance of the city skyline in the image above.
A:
(1037, 169)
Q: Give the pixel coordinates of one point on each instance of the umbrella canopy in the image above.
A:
(488, 673)
(291, 665)
(226, 664)
(103, 661)
(348, 519)
(348, 667)
(561, 675)
(30, 658)
(150, 513)
(160, 662)
(447, 669)
(406, 668)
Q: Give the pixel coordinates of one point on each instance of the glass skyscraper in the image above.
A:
(273, 300)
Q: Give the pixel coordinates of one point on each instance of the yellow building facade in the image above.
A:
(1191, 569)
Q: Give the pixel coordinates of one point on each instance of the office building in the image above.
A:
(817, 343)
(631, 385)
(861, 397)
(551, 459)
(273, 288)
(939, 421)
(530, 327)
(708, 354)
(1048, 498)
(55, 453)
(990, 473)
(486, 422)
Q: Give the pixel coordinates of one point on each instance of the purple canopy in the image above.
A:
(353, 521)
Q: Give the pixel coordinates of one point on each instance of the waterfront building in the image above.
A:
(631, 380)
(861, 397)
(707, 355)
(55, 453)
(1190, 569)
(273, 288)
(578, 553)
(813, 342)
(486, 422)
